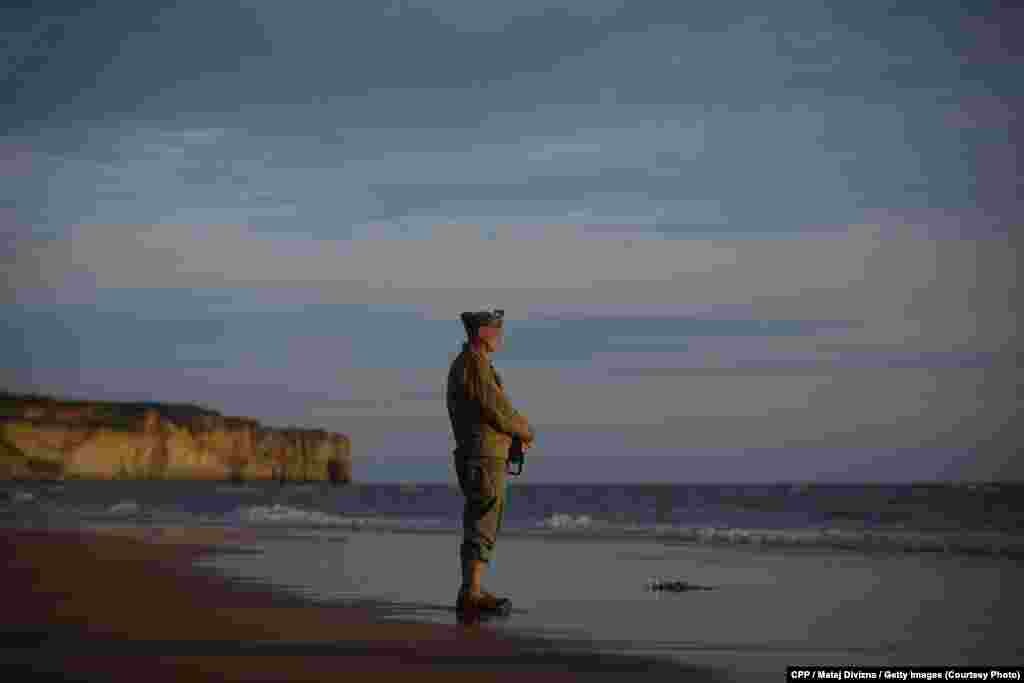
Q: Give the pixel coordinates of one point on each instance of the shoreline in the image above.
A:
(123, 604)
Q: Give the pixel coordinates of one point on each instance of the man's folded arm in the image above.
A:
(529, 435)
(502, 416)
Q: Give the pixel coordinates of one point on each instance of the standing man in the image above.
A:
(483, 422)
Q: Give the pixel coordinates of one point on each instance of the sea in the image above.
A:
(968, 519)
(774, 575)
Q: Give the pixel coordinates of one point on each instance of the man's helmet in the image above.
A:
(474, 320)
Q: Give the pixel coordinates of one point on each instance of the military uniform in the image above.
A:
(483, 422)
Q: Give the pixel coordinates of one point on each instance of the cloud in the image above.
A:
(470, 16)
(548, 152)
(357, 403)
(910, 347)
(87, 65)
(905, 289)
(991, 35)
(15, 159)
(987, 111)
(672, 205)
(901, 339)
(422, 396)
(203, 136)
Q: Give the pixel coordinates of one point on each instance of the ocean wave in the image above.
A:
(563, 524)
(125, 509)
(559, 524)
(277, 513)
(288, 515)
(566, 521)
(885, 540)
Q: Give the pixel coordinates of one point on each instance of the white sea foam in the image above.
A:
(287, 514)
(278, 514)
(983, 543)
(988, 543)
(563, 521)
(887, 540)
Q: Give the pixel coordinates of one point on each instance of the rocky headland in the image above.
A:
(49, 438)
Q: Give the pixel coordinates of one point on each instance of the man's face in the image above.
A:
(492, 337)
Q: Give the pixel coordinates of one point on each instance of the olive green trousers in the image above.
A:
(482, 481)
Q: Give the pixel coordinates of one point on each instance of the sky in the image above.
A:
(735, 241)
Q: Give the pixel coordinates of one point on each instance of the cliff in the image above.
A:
(42, 437)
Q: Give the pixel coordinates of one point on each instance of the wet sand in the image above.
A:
(128, 605)
(768, 608)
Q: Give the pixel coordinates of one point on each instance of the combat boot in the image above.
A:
(484, 603)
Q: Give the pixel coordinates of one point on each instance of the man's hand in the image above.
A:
(507, 440)
(525, 430)
(528, 439)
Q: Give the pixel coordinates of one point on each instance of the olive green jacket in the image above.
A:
(482, 426)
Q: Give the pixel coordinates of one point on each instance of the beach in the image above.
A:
(129, 604)
(764, 608)
(200, 603)
(307, 582)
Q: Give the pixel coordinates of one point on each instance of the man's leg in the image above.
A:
(482, 486)
(472, 574)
